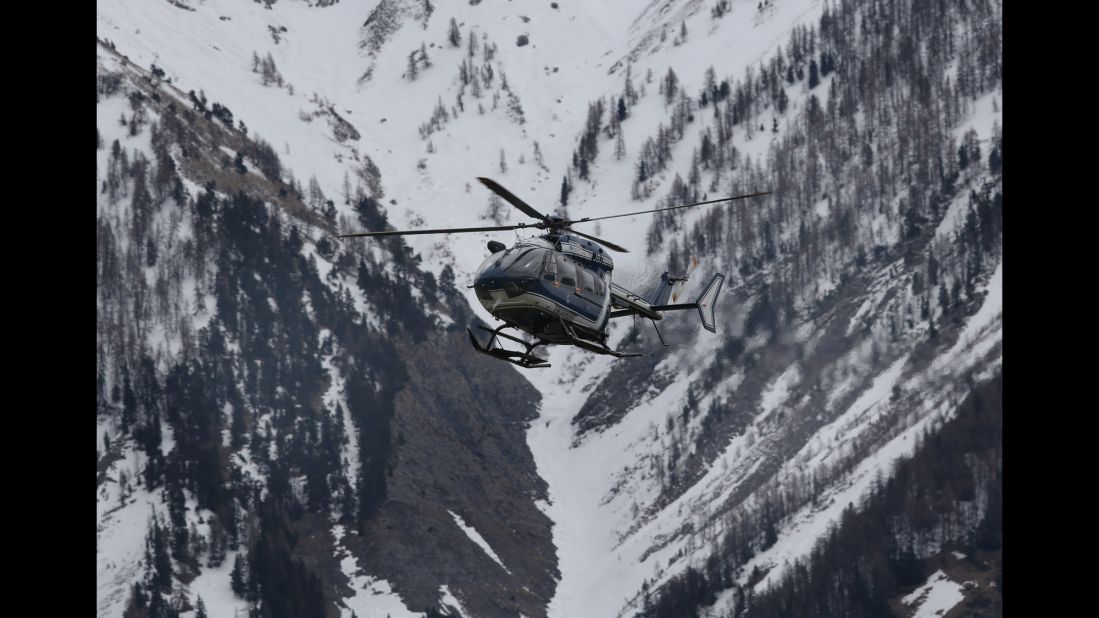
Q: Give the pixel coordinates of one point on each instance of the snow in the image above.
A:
(335, 396)
(120, 549)
(803, 529)
(595, 579)
(120, 535)
(983, 331)
(448, 599)
(874, 296)
(476, 537)
(880, 389)
(581, 40)
(373, 596)
(213, 585)
(987, 111)
(810, 523)
(806, 527)
(601, 488)
(605, 545)
(936, 597)
(778, 391)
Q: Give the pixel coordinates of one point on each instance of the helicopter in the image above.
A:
(557, 287)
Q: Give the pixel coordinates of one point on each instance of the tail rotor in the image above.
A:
(678, 282)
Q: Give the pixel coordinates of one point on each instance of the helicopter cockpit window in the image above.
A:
(549, 271)
(491, 261)
(508, 258)
(526, 263)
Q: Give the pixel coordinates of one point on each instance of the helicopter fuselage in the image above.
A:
(549, 285)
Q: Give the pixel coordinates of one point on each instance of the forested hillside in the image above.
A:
(293, 425)
(265, 387)
(865, 268)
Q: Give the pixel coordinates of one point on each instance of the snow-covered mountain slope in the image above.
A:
(862, 295)
(257, 408)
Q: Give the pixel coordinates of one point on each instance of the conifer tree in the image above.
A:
(129, 399)
(453, 34)
(670, 86)
(630, 93)
(161, 562)
(237, 577)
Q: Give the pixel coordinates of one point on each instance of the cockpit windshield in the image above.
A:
(490, 261)
(525, 263)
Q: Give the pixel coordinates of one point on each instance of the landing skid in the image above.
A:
(523, 359)
(591, 346)
(526, 359)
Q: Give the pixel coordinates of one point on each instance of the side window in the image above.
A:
(567, 271)
(585, 280)
(599, 287)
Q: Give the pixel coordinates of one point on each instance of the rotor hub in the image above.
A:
(555, 224)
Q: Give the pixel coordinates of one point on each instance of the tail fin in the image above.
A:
(707, 302)
(663, 291)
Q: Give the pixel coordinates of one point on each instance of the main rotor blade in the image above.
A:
(453, 230)
(605, 243)
(641, 212)
(511, 199)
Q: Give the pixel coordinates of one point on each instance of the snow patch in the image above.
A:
(373, 596)
(450, 600)
(778, 391)
(936, 597)
(476, 537)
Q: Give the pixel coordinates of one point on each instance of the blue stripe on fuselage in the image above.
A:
(562, 295)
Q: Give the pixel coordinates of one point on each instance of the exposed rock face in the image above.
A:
(460, 446)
